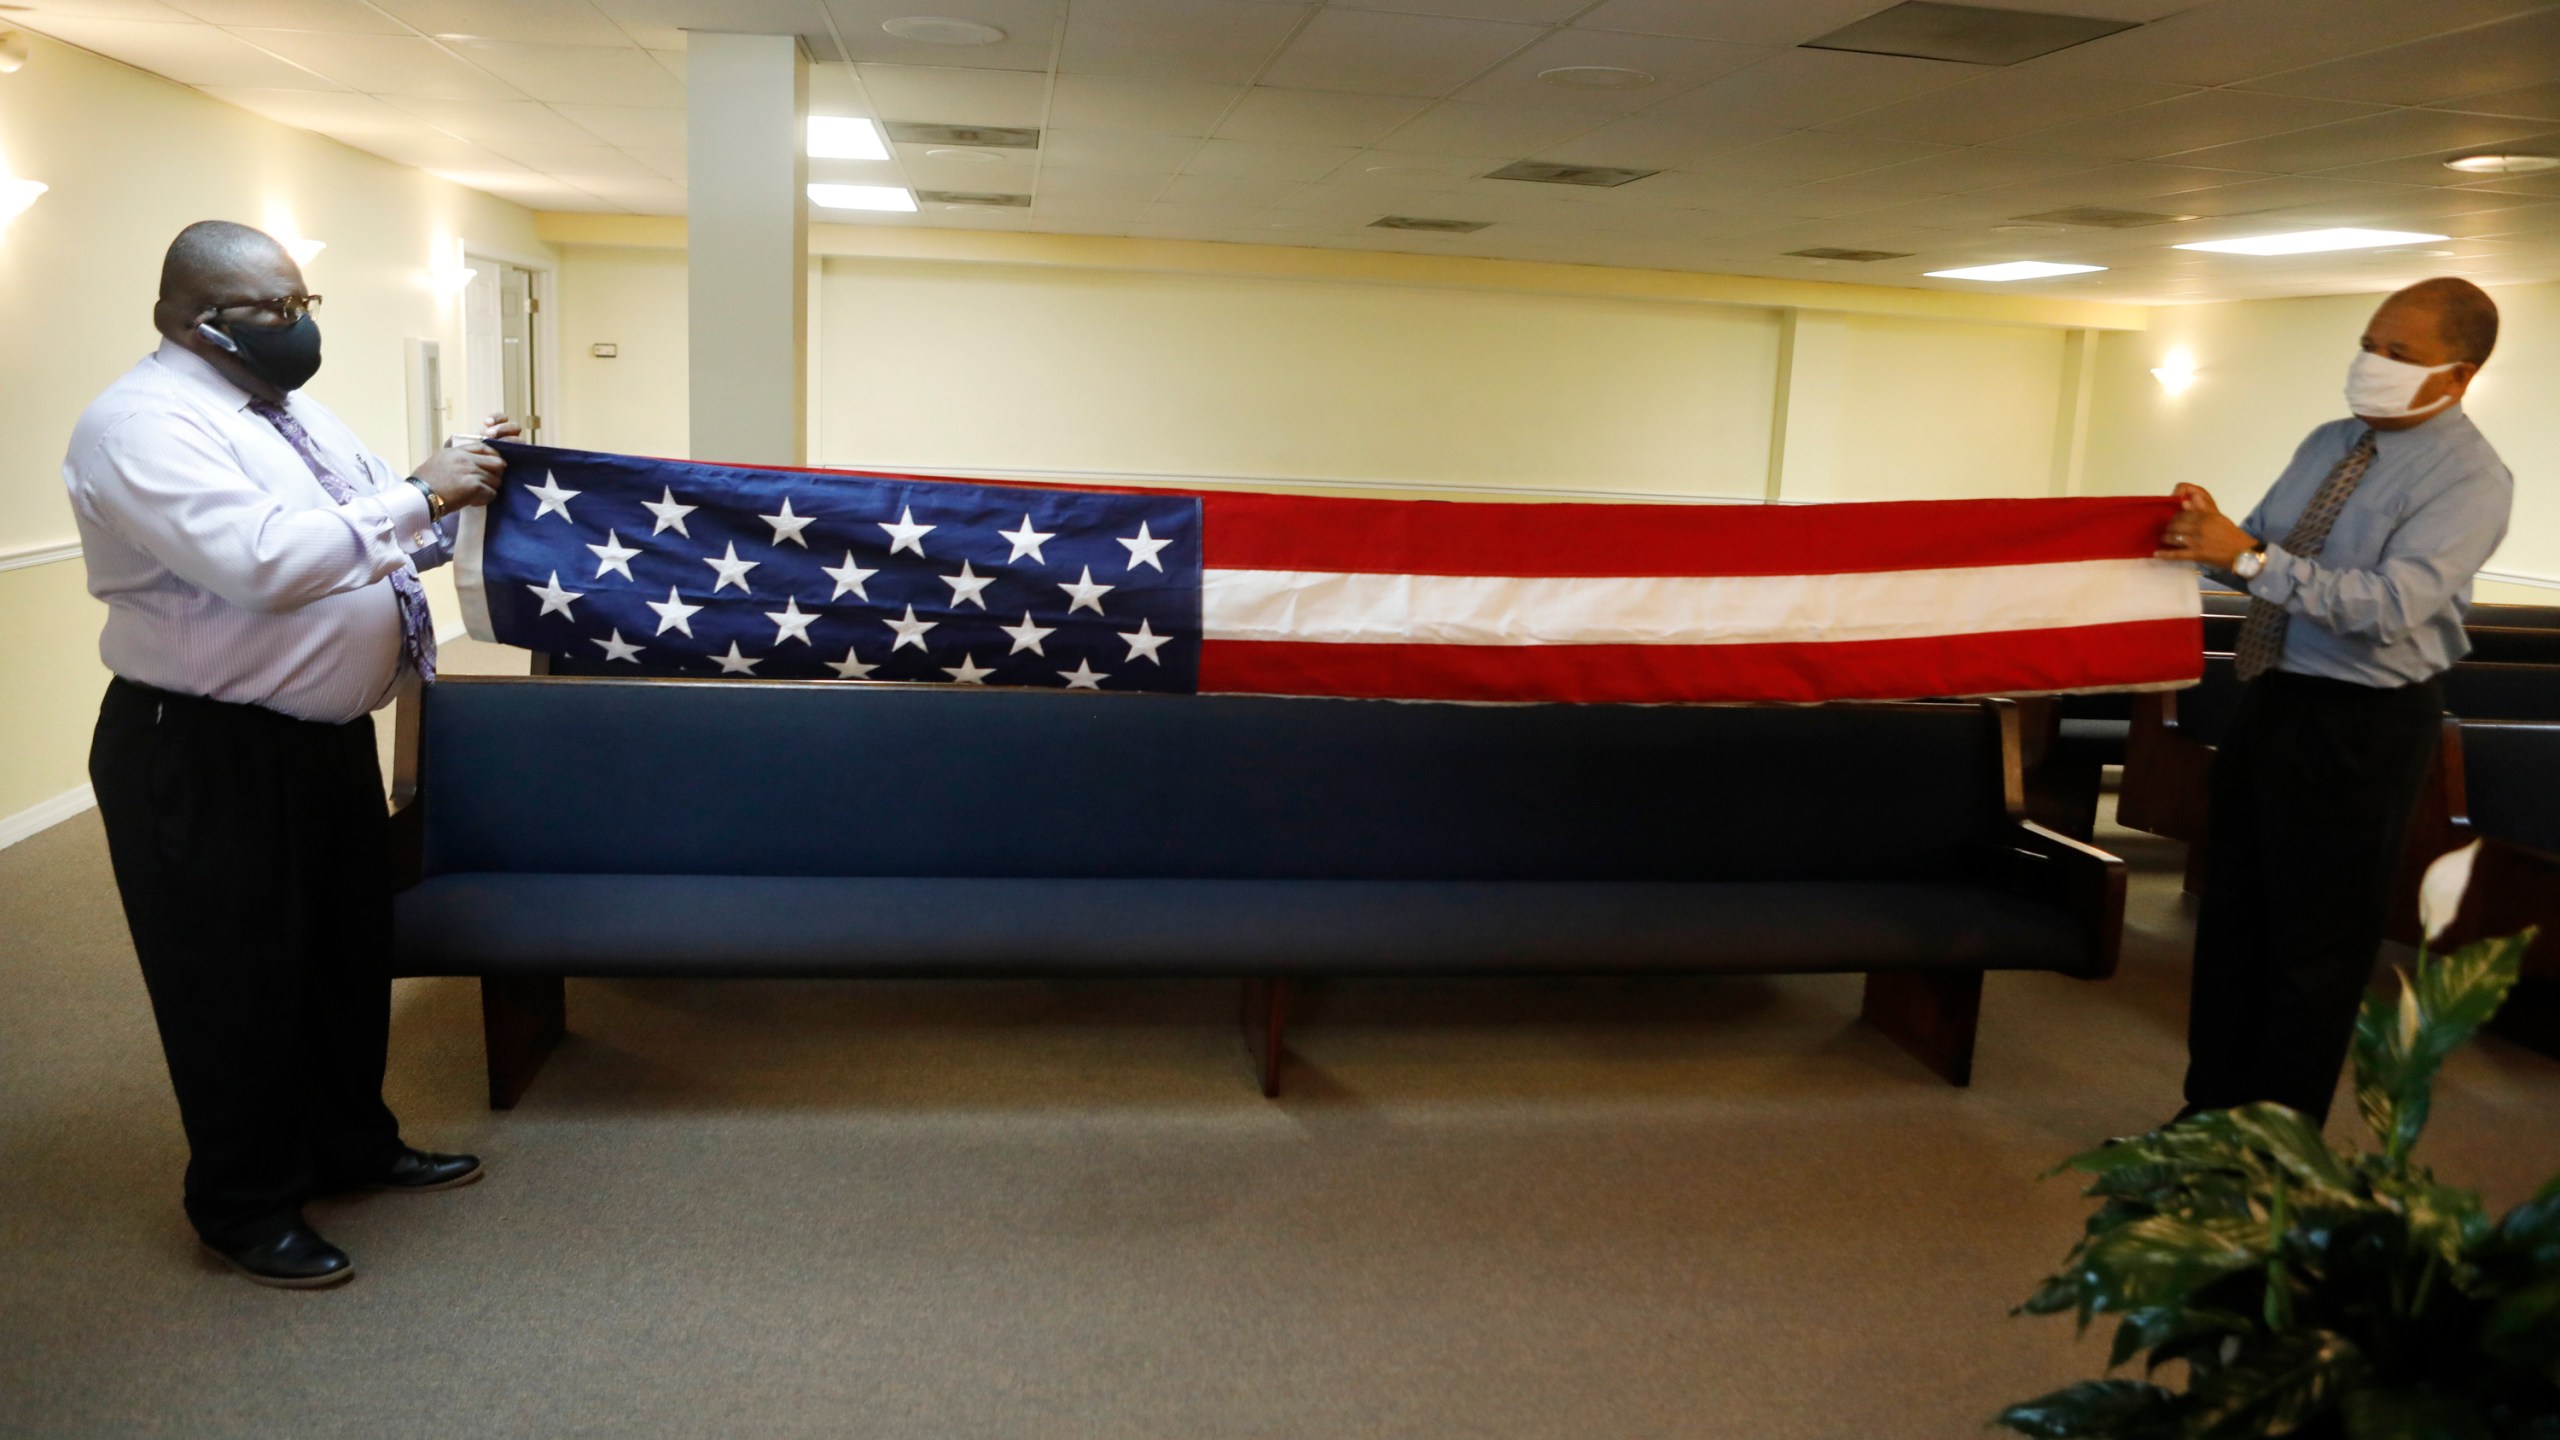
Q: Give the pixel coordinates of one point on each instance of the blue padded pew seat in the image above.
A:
(579, 827)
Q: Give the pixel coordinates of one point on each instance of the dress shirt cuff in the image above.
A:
(2275, 583)
(408, 510)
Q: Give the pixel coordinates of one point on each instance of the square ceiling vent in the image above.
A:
(992, 137)
(2103, 217)
(1972, 34)
(1545, 174)
(1862, 257)
(1436, 227)
(973, 197)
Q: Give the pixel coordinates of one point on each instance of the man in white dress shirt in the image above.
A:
(259, 568)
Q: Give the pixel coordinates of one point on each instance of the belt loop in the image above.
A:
(159, 711)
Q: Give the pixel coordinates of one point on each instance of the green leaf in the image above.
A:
(2154, 1326)
(2274, 1384)
(2161, 1260)
(2401, 1042)
(2115, 1409)
(2523, 1327)
(2412, 1415)
(2533, 1228)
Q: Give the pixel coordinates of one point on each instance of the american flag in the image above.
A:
(623, 565)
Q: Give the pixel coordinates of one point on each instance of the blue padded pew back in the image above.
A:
(2477, 691)
(756, 778)
(2511, 780)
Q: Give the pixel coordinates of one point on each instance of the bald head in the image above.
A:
(2464, 316)
(217, 260)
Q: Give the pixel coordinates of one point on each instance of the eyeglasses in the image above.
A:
(280, 310)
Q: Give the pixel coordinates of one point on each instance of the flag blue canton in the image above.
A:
(625, 566)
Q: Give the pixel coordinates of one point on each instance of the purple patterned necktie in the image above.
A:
(2261, 641)
(417, 630)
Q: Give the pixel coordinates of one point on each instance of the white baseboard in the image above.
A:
(44, 815)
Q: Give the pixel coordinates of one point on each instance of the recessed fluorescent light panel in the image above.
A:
(992, 137)
(842, 137)
(1861, 257)
(2014, 270)
(2312, 242)
(975, 197)
(1971, 34)
(861, 197)
(1547, 174)
(2103, 216)
(1421, 222)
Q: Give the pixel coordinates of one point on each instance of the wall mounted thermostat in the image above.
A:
(604, 349)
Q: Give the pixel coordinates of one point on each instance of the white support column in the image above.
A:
(747, 239)
(2071, 413)
(1804, 440)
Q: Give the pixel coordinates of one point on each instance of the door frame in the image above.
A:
(546, 330)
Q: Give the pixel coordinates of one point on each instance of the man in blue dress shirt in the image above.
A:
(259, 568)
(2358, 564)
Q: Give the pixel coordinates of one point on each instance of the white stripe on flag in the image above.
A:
(1688, 610)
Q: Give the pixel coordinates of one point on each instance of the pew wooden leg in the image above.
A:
(1265, 1019)
(521, 1018)
(2193, 884)
(1931, 1013)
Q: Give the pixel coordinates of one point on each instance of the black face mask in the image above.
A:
(286, 356)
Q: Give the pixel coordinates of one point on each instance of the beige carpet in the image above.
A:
(1596, 1209)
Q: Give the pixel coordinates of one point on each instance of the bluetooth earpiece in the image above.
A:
(225, 342)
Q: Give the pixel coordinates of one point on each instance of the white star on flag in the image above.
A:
(1145, 644)
(613, 555)
(790, 622)
(1026, 636)
(618, 648)
(910, 630)
(674, 614)
(670, 514)
(966, 585)
(850, 668)
(969, 671)
(848, 576)
(1143, 548)
(731, 570)
(553, 597)
(906, 534)
(1026, 541)
(555, 501)
(1086, 594)
(1083, 677)
(734, 663)
(787, 526)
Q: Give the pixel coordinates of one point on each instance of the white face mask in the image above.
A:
(2380, 388)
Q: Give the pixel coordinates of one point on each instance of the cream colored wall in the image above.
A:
(1928, 410)
(2270, 370)
(633, 300)
(132, 158)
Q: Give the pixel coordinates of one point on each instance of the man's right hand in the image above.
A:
(463, 475)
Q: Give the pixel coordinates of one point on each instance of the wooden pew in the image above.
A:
(2498, 781)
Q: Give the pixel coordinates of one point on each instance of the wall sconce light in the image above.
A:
(16, 196)
(13, 52)
(2175, 372)
(452, 276)
(303, 251)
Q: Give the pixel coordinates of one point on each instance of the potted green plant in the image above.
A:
(2297, 1289)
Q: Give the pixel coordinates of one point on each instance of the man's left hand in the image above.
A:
(2202, 533)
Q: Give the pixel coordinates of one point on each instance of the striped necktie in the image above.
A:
(417, 630)
(2261, 641)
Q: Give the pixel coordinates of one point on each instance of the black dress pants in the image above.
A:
(250, 850)
(2312, 793)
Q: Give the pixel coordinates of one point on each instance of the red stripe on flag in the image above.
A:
(1442, 537)
(2088, 657)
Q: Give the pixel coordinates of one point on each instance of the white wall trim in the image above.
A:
(2518, 577)
(44, 815)
(1284, 483)
(31, 555)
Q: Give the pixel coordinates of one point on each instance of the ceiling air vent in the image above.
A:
(1546, 174)
(1436, 227)
(1972, 34)
(992, 137)
(973, 197)
(1828, 252)
(2101, 216)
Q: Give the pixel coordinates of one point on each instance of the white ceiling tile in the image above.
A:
(386, 64)
(1317, 117)
(588, 159)
(350, 15)
(2002, 104)
(1225, 190)
(1529, 12)
(1068, 185)
(1077, 150)
(487, 121)
(857, 172)
(542, 192)
(1806, 156)
(669, 163)
(430, 151)
(1149, 105)
(950, 96)
(1377, 53)
(1217, 40)
(2390, 135)
(2280, 193)
(1376, 172)
(2236, 40)
(2190, 122)
(340, 113)
(1798, 88)
(577, 74)
(2522, 51)
(548, 22)
(1644, 142)
(1030, 31)
(2429, 169)
(1264, 160)
(670, 61)
(1457, 128)
(640, 194)
(1749, 22)
(2537, 101)
(189, 53)
(1204, 217)
(660, 24)
(1977, 168)
(1675, 64)
(1006, 172)
(629, 126)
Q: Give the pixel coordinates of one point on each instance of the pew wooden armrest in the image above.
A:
(2079, 878)
(2168, 773)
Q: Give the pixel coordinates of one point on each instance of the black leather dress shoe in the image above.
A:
(298, 1259)
(418, 1171)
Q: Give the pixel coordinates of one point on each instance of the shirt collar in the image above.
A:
(2437, 427)
(195, 370)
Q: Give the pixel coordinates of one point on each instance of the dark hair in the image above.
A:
(2466, 317)
(205, 249)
